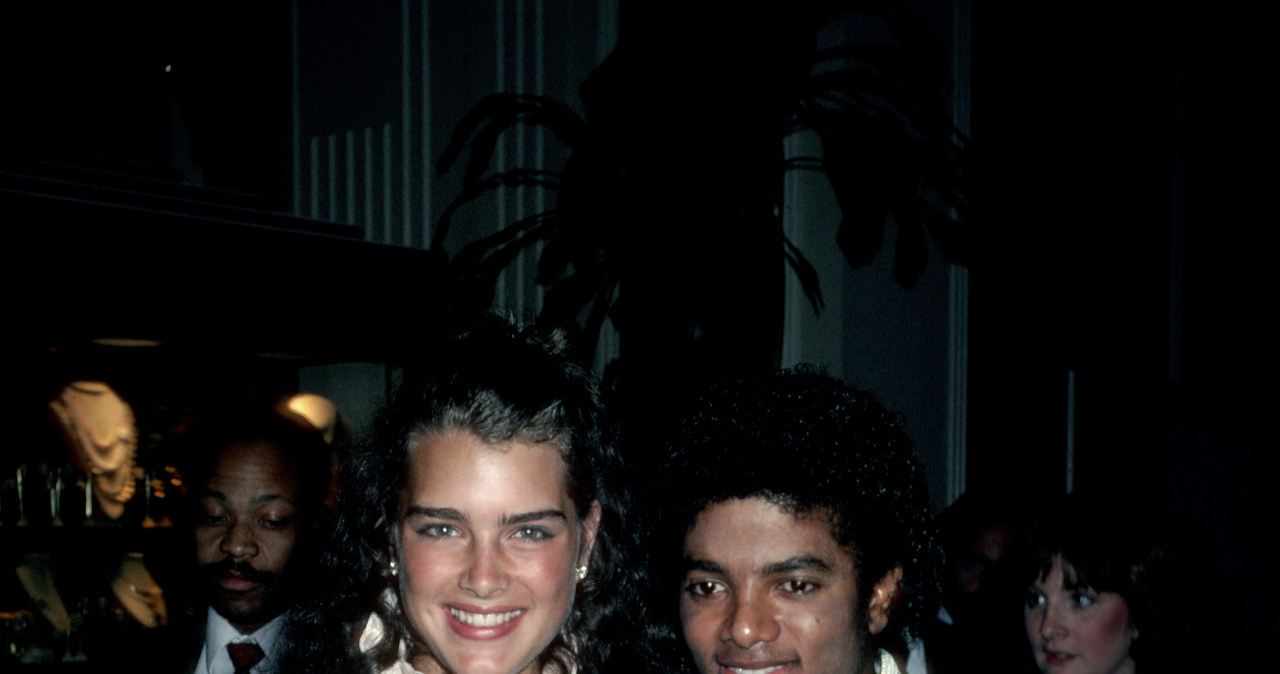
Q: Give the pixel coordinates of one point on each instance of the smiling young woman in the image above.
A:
(488, 546)
(481, 530)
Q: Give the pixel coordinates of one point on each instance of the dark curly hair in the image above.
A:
(811, 444)
(503, 384)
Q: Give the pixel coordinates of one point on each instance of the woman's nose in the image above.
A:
(1051, 624)
(486, 573)
(751, 621)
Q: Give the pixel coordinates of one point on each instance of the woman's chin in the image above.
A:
(474, 663)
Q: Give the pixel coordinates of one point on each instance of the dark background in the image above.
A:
(1122, 278)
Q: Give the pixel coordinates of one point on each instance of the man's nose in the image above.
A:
(752, 621)
(240, 540)
(486, 573)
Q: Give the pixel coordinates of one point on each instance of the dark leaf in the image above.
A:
(534, 110)
(567, 297)
(911, 252)
(805, 273)
(471, 120)
(514, 178)
(509, 241)
(600, 310)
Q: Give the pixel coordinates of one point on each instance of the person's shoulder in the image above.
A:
(170, 649)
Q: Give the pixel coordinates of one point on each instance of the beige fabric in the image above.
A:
(139, 594)
(37, 579)
(104, 439)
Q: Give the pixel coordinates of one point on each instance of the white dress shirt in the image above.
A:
(214, 658)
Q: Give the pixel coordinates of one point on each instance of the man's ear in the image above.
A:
(884, 594)
(590, 525)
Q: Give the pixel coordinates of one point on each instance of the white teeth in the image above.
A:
(740, 670)
(483, 619)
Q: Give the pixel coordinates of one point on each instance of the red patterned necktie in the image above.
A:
(244, 656)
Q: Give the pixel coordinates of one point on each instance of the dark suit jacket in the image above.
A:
(172, 649)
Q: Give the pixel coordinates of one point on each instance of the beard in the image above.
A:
(247, 607)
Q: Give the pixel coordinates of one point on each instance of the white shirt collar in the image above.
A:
(214, 659)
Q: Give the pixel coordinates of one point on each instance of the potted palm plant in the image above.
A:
(667, 216)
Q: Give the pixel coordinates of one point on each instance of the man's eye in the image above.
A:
(798, 587)
(275, 522)
(703, 588)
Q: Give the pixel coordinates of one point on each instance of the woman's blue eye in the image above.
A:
(438, 530)
(1035, 599)
(533, 533)
(1084, 600)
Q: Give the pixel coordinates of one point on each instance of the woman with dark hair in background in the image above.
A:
(1112, 589)
(482, 529)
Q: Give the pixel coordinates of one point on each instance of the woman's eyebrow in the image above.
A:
(434, 513)
(522, 518)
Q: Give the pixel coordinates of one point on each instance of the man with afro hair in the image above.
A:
(796, 527)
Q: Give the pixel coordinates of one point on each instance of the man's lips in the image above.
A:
(755, 666)
(235, 583)
(756, 669)
(237, 577)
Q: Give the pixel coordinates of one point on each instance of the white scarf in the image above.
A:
(886, 664)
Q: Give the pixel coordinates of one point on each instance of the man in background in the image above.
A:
(258, 481)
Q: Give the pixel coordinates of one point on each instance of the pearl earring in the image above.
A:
(581, 572)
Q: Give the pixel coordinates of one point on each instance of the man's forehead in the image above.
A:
(253, 465)
(260, 452)
(761, 534)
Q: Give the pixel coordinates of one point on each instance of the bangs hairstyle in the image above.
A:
(1102, 548)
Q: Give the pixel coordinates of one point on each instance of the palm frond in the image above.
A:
(512, 178)
(805, 273)
(493, 114)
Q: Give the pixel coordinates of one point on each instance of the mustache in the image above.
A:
(239, 568)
